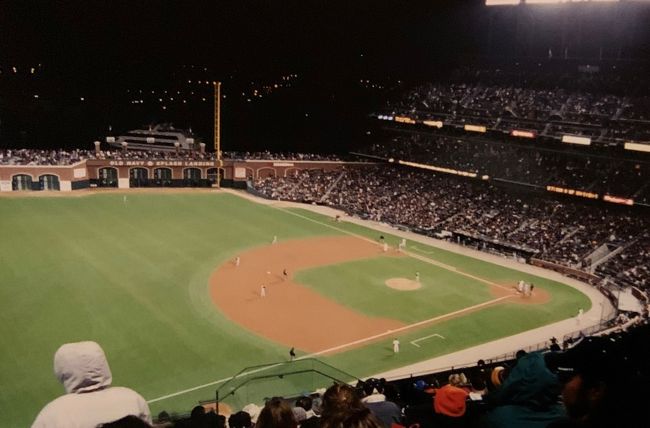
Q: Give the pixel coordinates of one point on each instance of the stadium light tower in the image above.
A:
(217, 129)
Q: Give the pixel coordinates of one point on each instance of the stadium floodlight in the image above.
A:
(523, 134)
(501, 2)
(434, 123)
(543, 1)
(569, 1)
(574, 139)
(639, 147)
(475, 128)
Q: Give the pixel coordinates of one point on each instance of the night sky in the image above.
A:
(266, 35)
(105, 51)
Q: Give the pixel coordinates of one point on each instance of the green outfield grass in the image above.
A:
(133, 277)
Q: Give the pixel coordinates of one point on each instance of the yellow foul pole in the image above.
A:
(217, 129)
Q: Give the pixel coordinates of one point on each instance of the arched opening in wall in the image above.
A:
(291, 172)
(49, 182)
(265, 173)
(107, 177)
(138, 177)
(191, 177)
(162, 177)
(21, 182)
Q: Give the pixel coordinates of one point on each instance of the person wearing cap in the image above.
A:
(90, 400)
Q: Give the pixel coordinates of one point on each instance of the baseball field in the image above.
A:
(153, 278)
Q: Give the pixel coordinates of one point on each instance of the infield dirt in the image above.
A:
(294, 315)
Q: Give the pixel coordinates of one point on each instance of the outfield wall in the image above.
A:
(129, 173)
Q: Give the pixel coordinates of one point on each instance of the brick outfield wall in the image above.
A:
(86, 173)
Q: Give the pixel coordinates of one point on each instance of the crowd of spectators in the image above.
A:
(281, 156)
(150, 155)
(631, 266)
(69, 157)
(561, 231)
(42, 157)
(581, 107)
(522, 163)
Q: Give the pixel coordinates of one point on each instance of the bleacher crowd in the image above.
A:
(599, 105)
(69, 157)
(526, 163)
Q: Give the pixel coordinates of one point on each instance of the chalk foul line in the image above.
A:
(415, 342)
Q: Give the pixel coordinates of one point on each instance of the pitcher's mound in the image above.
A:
(403, 284)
